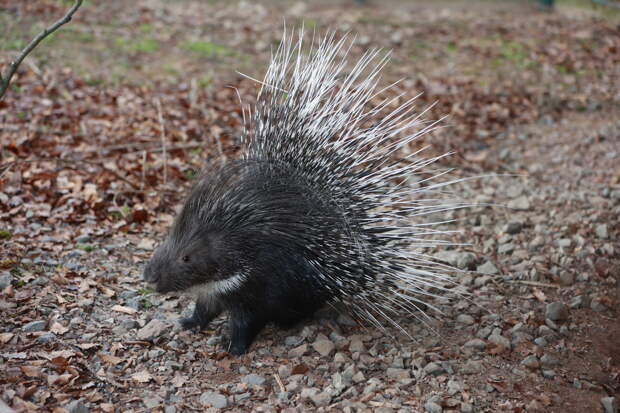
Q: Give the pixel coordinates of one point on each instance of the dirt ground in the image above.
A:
(108, 122)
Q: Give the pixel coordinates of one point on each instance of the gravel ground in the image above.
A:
(537, 330)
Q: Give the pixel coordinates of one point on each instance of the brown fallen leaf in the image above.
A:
(58, 328)
(142, 376)
(110, 359)
(31, 371)
(6, 337)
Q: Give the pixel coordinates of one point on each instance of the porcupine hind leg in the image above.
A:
(206, 309)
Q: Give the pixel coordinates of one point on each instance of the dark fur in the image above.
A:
(261, 220)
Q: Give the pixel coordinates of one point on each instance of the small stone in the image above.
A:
(556, 311)
(397, 374)
(500, 340)
(610, 404)
(5, 279)
(548, 374)
(432, 407)
(472, 367)
(152, 402)
(253, 379)
(76, 406)
(531, 362)
(466, 261)
(298, 351)
(323, 346)
(549, 361)
(597, 305)
(465, 319)
(566, 278)
(601, 231)
(46, 338)
(540, 341)
(519, 204)
(487, 268)
(308, 392)
(565, 243)
(356, 345)
(434, 369)
(506, 248)
(214, 399)
(170, 409)
(321, 399)
(82, 239)
(467, 408)
(579, 301)
(476, 343)
(293, 341)
(38, 325)
(152, 330)
(513, 227)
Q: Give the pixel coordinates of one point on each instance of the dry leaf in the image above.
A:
(124, 309)
(110, 359)
(142, 376)
(6, 337)
(58, 328)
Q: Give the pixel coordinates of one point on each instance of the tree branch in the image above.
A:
(6, 79)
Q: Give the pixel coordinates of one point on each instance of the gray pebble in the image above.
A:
(506, 248)
(465, 319)
(500, 340)
(37, 325)
(610, 404)
(519, 204)
(214, 399)
(487, 268)
(467, 408)
(82, 239)
(397, 374)
(152, 330)
(46, 338)
(432, 407)
(601, 231)
(76, 406)
(540, 341)
(321, 399)
(548, 374)
(476, 343)
(5, 279)
(556, 311)
(472, 367)
(597, 305)
(253, 379)
(549, 361)
(170, 409)
(513, 227)
(466, 261)
(323, 346)
(531, 362)
(293, 341)
(434, 369)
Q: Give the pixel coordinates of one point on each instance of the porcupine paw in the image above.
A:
(189, 323)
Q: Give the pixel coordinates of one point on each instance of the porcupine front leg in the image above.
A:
(244, 326)
(206, 309)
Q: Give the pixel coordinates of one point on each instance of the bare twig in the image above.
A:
(6, 79)
(163, 139)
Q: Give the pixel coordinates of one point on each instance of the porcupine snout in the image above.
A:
(151, 276)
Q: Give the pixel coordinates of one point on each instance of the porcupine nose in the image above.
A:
(150, 275)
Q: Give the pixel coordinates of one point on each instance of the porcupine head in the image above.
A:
(315, 210)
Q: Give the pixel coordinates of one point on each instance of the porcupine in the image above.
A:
(315, 211)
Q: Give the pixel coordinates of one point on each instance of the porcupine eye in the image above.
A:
(185, 258)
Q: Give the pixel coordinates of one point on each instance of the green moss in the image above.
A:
(207, 49)
(86, 247)
(145, 45)
(5, 234)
